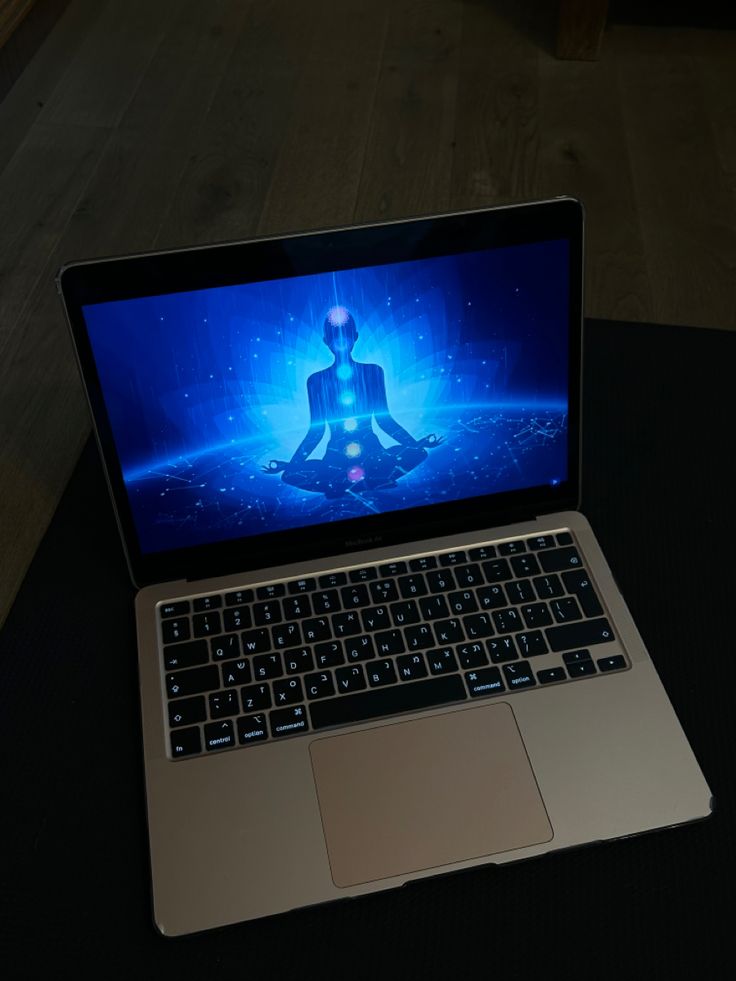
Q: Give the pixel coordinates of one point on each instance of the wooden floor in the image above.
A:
(156, 123)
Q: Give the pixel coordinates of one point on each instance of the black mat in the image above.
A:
(657, 453)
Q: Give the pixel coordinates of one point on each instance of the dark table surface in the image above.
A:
(657, 455)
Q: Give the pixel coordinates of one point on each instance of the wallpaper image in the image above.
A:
(268, 406)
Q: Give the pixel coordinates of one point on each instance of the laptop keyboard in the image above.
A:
(257, 664)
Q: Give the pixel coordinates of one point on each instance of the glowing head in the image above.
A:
(340, 332)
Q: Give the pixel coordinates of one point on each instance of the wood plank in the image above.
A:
(317, 171)
(687, 213)
(222, 191)
(408, 160)
(32, 90)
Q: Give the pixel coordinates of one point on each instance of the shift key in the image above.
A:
(192, 682)
(584, 633)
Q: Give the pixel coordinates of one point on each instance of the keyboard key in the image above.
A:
(519, 675)
(512, 548)
(251, 729)
(206, 624)
(333, 580)
(404, 614)
(301, 586)
(411, 667)
(574, 657)
(219, 735)
(384, 591)
(498, 570)
(419, 638)
(392, 569)
(491, 597)
(448, 631)
(381, 673)
(472, 655)
(360, 648)
(412, 586)
(186, 655)
(286, 635)
(478, 625)
(192, 682)
(187, 711)
(235, 673)
(520, 591)
(289, 721)
(551, 676)
(256, 641)
(565, 609)
(564, 538)
(173, 631)
(298, 660)
(614, 663)
(464, 602)
(441, 581)
(297, 607)
(345, 624)
(176, 609)
(265, 614)
(548, 587)
(507, 621)
(319, 685)
(354, 596)
(525, 565)
(442, 661)
(224, 704)
(558, 559)
(409, 697)
(581, 669)
(329, 655)
(326, 602)
(584, 633)
(375, 618)
(186, 742)
(224, 648)
(541, 541)
(255, 697)
(239, 597)
(536, 615)
(453, 558)
(351, 678)
(531, 643)
(390, 642)
(423, 564)
(433, 607)
(469, 575)
(205, 603)
(486, 681)
(577, 582)
(482, 553)
(271, 592)
(501, 649)
(287, 691)
(363, 575)
(237, 618)
(316, 630)
(267, 666)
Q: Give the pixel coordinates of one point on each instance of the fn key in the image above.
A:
(185, 742)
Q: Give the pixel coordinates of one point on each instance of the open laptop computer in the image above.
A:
(377, 639)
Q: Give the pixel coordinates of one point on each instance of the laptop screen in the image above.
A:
(277, 400)
(263, 407)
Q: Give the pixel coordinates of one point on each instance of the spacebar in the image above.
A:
(407, 697)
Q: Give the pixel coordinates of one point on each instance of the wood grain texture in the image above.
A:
(176, 123)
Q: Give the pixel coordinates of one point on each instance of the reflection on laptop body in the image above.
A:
(376, 638)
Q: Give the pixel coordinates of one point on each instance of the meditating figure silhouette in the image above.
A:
(346, 397)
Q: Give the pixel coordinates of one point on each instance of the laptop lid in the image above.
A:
(299, 396)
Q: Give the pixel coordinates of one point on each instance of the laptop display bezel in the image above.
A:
(178, 271)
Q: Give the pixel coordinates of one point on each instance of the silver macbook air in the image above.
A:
(377, 639)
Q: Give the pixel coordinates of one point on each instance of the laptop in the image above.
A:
(377, 640)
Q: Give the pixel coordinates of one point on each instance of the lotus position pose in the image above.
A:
(347, 396)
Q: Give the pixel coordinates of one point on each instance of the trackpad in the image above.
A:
(421, 794)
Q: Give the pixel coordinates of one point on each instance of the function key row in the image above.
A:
(368, 574)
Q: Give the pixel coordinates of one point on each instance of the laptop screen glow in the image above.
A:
(249, 409)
